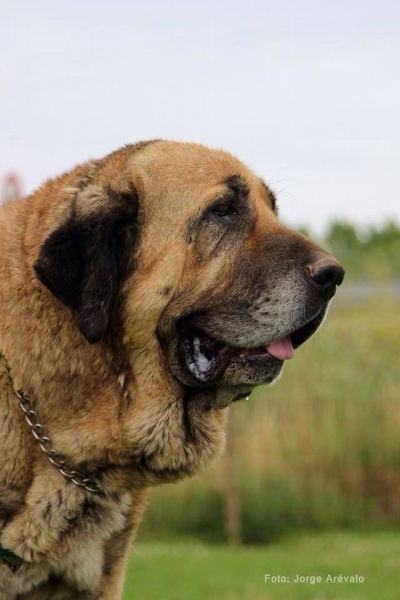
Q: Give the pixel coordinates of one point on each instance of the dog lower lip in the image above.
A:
(206, 358)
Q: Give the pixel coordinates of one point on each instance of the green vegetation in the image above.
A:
(193, 571)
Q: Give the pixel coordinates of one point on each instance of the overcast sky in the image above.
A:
(306, 92)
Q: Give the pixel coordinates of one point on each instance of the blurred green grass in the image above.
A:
(319, 450)
(195, 571)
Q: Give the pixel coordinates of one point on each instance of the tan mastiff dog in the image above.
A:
(140, 295)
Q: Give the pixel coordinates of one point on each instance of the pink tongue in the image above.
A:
(281, 349)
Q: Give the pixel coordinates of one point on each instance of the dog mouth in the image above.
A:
(206, 358)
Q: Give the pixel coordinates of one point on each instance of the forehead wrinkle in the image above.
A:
(225, 188)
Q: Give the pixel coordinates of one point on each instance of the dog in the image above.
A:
(140, 295)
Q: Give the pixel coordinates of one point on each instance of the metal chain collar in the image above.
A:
(45, 443)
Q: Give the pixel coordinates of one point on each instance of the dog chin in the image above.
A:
(253, 370)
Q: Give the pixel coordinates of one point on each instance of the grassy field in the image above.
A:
(193, 571)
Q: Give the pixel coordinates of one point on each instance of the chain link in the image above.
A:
(45, 443)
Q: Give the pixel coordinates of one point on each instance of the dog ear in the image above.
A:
(84, 261)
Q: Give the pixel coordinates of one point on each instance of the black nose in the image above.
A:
(326, 274)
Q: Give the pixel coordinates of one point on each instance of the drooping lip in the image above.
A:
(206, 358)
(203, 356)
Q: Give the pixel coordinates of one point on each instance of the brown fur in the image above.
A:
(112, 407)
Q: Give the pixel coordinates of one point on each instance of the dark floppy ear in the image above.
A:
(83, 262)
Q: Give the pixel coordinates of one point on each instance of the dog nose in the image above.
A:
(327, 274)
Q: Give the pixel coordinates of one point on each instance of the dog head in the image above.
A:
(184, 244)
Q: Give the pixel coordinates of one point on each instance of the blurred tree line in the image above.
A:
(371, 254)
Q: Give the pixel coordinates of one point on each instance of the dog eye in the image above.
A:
(224, 209)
